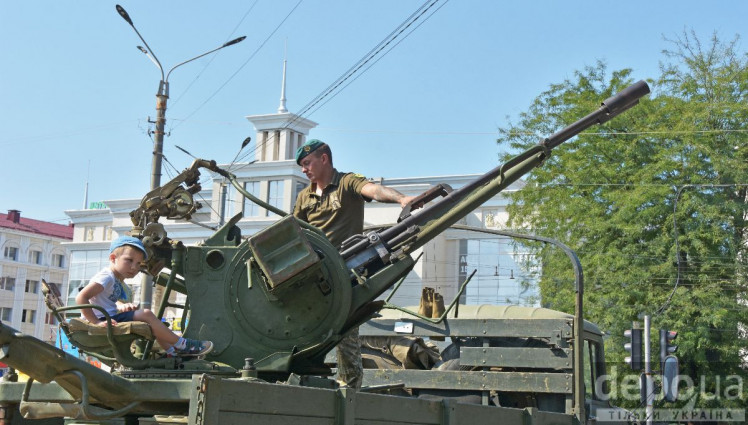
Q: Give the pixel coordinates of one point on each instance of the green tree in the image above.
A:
(620, 194)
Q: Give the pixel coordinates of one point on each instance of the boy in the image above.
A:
(105, 289)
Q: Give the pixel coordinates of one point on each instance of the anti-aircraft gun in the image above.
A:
(283, 297)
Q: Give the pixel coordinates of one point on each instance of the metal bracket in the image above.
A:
(378, 245)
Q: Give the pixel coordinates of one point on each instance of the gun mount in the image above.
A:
(284, 296)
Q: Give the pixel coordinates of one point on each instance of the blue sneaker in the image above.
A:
(194, 347)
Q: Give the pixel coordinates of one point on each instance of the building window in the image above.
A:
(6, 313)
(11, 253)
(28, 316)
(7, 283)
(297, 144)
(88, 233)
(276, 145)
(32, 286)
(299, 187)
(50, 319)
(228, 201)
(491, 219)
(83, 265)
(107, 236)
(275, 194)
(250, 208)
(501, 278)
(35, 257)
(58, 260)
(55, 287)
(263, 146)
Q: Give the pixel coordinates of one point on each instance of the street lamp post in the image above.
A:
(162, 95)
(158, 140)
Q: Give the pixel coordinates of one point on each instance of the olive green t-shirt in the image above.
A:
(339, 212)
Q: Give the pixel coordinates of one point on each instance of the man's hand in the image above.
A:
(405, 200)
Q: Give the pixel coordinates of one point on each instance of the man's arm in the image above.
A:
(386, 194)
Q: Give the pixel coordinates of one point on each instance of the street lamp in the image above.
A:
(163, 95)
(158, 141)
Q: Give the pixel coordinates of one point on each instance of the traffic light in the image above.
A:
(666, 344)
(670, 378)
(634, 347)
(669, 364)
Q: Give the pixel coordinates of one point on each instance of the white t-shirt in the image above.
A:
(113, 290)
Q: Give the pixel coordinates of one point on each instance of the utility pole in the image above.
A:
(648, 371)
(162, 97)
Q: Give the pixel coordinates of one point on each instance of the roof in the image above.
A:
(37, 226)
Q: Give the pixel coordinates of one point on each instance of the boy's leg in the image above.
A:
(168, 339)
(165, 337)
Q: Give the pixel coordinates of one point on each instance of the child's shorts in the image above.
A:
(125, 316)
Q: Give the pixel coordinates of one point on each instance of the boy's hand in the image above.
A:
(102, 323)
(126, 307)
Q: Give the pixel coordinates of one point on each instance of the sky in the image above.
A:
(76, 94)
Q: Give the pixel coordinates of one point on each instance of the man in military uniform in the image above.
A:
(334, 202)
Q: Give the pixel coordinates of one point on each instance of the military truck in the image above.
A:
(508, 356)
(276, 303)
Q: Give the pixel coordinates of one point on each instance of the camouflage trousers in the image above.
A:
(350, 369)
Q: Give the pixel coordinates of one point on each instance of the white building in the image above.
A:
(32, 250)
(274, 177)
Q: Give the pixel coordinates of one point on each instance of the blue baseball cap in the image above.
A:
(130, 241)
(307, 148)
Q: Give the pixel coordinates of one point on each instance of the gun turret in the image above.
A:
(285, 296)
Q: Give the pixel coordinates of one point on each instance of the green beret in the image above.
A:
(307, 148)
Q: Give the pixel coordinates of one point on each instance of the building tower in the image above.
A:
(280, 134)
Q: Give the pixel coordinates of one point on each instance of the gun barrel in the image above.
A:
(626, 98)
(436, 218)
(610, 108)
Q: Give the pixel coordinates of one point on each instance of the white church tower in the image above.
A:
(280, 134)
(272, 175)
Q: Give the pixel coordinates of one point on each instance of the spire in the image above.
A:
(85, 194)
(282, 108)
(85, 197)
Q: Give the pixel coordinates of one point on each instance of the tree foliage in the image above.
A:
(653, 201)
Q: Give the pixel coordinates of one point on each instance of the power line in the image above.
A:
(361, 66)
(511, 133)
(678, 260)
(352, 71)
(240, 67)
(363, 62)
(230, 37)
(82, 130)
